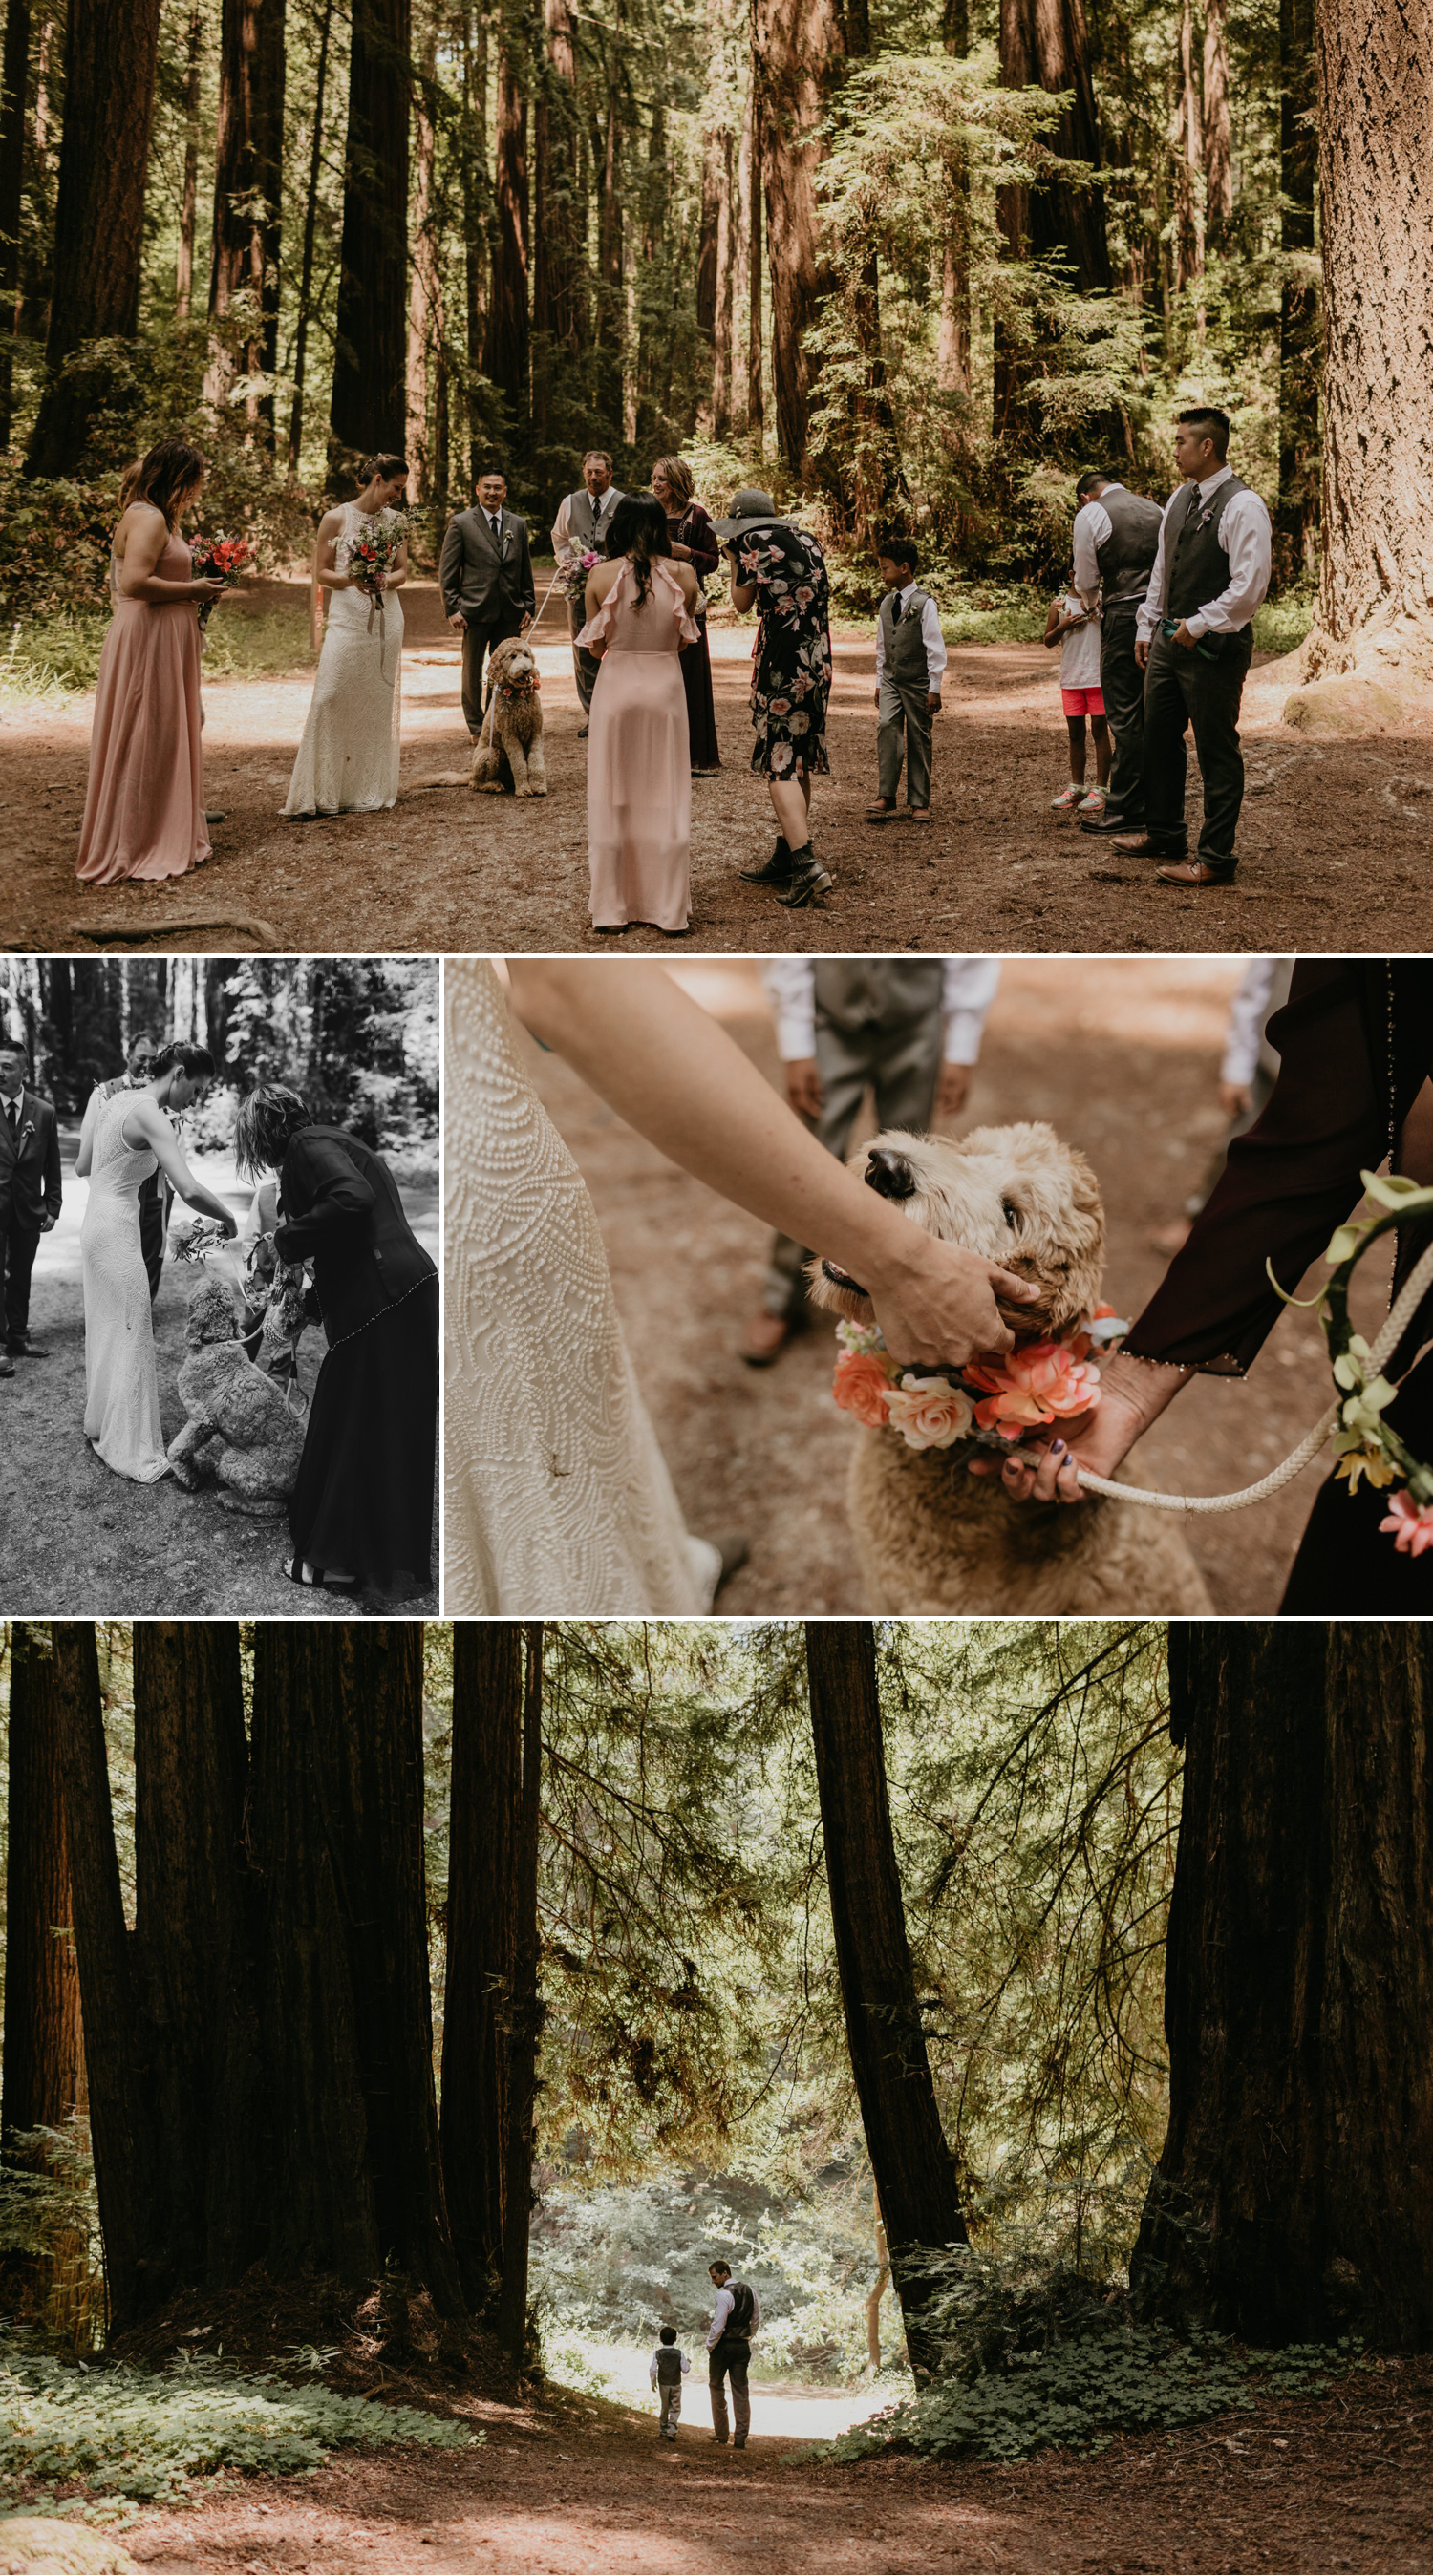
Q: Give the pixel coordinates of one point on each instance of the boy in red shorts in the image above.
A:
(1076, 629)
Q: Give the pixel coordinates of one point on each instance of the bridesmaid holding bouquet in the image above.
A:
(144, 811)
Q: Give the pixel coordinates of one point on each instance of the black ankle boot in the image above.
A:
(772, 871)
(806, 881)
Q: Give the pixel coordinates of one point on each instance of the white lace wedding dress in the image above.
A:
(121, 1377)
(558, 1500)
(348, 759)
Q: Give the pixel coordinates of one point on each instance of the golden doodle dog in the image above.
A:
(508, 751)
(932, 1537)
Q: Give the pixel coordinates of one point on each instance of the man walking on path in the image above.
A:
(580, 528)
(735, 2319)
(485, 575)
(1116, 539)
(1196, 640)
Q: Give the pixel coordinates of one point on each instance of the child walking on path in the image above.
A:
(1076, 629)
(668, 2364)
(910, 665)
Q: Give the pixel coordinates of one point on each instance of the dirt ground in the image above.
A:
(88, 1540)
(567, 2485)
(1122, 1056)
(1336, 840)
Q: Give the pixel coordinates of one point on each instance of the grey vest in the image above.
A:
(1126, 558)
(891, 993)
(1196, 565)
(904, 657)
(582, 518)
(669, 2365)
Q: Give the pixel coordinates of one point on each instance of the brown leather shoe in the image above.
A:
(1138, 845)
(766, 1339)
(1191, 872)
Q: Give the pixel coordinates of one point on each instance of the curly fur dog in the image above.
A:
(933, 1537)
(508, 751)
(239, 1428)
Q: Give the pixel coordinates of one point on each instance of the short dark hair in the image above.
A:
(15, 1046)
(720, 2265)
(1096, 474)
(195, 1061)
(484, 471)
(667, 2334)
(141, 1037)
(897, 550)
(1213, 422)
(266, 1122)
(383, 466)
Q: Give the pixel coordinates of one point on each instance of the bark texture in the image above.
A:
(1299, 349)
(506, 357)
(556, 280)
(526, 2019)
(248, 196)
(367, 411)
(14, 84)
(1291, 2200)
(797, 49)
(1044, 44)
(914, 2173)
(43, 2063)
(477, 1992)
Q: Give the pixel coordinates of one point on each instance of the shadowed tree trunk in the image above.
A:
(487, 1757)
(248, 197)
(14, 85)
(610, 313)
(724, 303)
(44, 2045)
(1218, 140)
(796, 54)
(367, 411)
(110, 59)
(526, 2018)
(506, 357)
(296, 416)
(556, 301)
(424, 288)
(914, 2174)
(1300, 353)
(189, 200)
(745, 247)
(1291, 2200)
(477, 248)
(1044, 45)
(953, 348)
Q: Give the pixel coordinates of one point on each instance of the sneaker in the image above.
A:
(807, 881)
(1067, 800)
(1094, 803)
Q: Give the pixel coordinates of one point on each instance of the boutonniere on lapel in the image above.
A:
(27, 1130)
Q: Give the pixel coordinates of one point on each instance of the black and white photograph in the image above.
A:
(220, 1234)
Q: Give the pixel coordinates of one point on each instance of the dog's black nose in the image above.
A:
(889, 1173)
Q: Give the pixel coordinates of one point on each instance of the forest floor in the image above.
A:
(86, 1539)
(1122, 1056)
(1336, 839)
(571, 2484)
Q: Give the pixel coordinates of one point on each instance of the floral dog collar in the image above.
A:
(990, 1402)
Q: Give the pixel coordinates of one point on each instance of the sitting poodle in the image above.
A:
(508, 752)
(932, 1537)
(239, 1429)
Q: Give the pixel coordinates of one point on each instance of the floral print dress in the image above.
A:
(791, 665)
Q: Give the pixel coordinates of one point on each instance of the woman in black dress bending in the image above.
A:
(361, 1512)
(693, 542)
(1355, 1043)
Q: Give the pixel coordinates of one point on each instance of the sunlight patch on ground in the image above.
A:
(801, 2414)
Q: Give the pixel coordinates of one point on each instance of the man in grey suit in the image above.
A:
(30, 1196)
(485, 575)
(580, 528)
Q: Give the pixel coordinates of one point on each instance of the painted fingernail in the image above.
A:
(1057, 1448)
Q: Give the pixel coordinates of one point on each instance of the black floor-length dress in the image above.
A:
(1355, 1043)
(694, 530)
(363, 1502)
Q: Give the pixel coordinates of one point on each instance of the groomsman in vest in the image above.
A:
(30, 1196)
(155, 1195)
(910, 665)
(580, 528)
(1116, 539)
(906, 1028)
(1196, 640)
(485, 575)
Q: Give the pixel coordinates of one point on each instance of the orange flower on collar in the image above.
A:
(1036, 1383)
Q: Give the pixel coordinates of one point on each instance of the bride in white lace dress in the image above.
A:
(348, 759)
(558, 1499)
(122, 1141)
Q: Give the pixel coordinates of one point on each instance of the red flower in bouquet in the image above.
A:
(222, 560)
(375, 553)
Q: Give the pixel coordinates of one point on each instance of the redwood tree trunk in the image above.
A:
(914, 2174)
(424, 287)
(796, 52)
(1044, 45)
(189, 200)
(1300, 354)
(1291, 2200)
(506, 357)
(611, 392)
(296, 416)
(14, 83)
(367, 412)
(248, 195)
(526, 2019)
(43, 2063)
(476, 201)
(110, 59)
(953, 347)
(1218, 137)
(487, 1750)
(556, 257)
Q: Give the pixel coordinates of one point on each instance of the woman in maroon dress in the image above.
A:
(693, 542)
(1355, 1043)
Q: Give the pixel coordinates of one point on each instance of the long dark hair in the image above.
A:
(639, 529)
(270, 1116)
(193, 1061)
(382, 465)
(165, 477)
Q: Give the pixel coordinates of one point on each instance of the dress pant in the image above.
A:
(19, 1243)
(1183, 688)
(1122, 687)
(585, 665)
(478, 641)
(670, 2392)
(906, 727)
(902, 1067)
(729, 2359)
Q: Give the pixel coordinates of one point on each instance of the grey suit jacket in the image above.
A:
(30, 1163)
(475, 578)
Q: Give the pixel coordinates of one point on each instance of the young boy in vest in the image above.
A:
(910, 664)
(735, 2318)
(668, 2363)
(1076, 629)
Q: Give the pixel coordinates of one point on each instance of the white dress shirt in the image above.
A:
(563, 540)
(1092, 525)
(931, 637)
(1247, 539)
(683, 2357)
(1248, 1013)
(725, 2302)
(968, 986)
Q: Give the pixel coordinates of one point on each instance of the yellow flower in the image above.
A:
(1364, 1462)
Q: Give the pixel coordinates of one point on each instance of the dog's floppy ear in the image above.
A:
(889, 1173)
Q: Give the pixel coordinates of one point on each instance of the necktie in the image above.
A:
(495, 523)
(12, 1112)
(896, 611)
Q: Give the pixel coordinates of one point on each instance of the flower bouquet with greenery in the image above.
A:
(218, 559)
(572, 572)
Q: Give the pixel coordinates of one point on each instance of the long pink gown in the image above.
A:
(144, 813)
(639, 771)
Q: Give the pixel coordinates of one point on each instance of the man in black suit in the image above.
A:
(29, 1195)
(485, 575)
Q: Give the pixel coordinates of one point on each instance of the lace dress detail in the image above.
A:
(348, 759)
(121, 1377)
(558, 1500)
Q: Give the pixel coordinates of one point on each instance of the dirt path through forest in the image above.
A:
(1337, 840)
(571, 2486)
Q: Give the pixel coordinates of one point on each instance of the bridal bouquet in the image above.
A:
(375, 553)
(572, 572)
(222, 559)
(195, 1243)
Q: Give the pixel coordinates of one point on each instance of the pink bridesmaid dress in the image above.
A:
(639, 771)
(144, 813)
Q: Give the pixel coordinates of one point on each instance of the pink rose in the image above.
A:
(861, 1386)
(1409, 1524)
(781, 757)
(929, 1412)
(781, 706)
(1032, 1385)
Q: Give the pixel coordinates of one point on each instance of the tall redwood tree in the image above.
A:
(368, 406)
(477, 1986)
(248, 194)
(44, 2045)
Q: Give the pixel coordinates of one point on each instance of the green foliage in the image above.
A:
(57, 656)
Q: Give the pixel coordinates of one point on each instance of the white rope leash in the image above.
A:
(1398, 1320)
